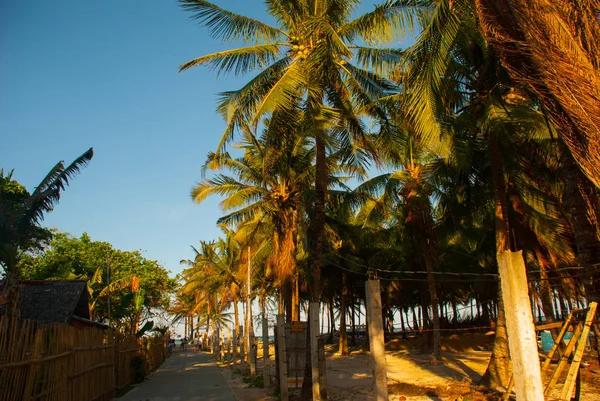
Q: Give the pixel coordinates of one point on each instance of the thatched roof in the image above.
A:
(54, 300)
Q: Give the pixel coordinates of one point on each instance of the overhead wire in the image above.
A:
(482, 277)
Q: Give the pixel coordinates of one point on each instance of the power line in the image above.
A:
(457, 280)
(494, 275)
(414, 271)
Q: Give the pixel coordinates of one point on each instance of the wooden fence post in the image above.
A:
(281, 356)
(313, 312)
(522, 340)
(116, 359)
(266, 360)
(376, 339)
(322, 369)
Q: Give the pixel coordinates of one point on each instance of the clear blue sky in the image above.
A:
(75, 74)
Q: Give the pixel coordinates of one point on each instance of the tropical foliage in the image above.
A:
(474, 155)
(136, 286)
(21, 214)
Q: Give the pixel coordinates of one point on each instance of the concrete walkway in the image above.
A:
(186, 375)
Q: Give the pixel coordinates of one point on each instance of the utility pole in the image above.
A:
(108, 288)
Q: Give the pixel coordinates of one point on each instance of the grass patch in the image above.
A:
(254, 382)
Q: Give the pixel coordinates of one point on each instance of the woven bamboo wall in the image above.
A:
(49, 361)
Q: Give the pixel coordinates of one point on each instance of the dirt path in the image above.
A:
(186, 376)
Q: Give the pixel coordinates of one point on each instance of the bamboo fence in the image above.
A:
(51, 361)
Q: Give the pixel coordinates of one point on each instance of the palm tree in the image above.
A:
(409, 188)
(212, 279)
(307, 56)
(21, 214)
(264, 198)
(466, 89)
(553, 49)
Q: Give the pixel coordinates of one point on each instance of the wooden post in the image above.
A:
(283, 379)
(313, 311)
(266, 360)
(322, 369)
(376, 340)
(522, 340)
(574, 369)
(116, 360)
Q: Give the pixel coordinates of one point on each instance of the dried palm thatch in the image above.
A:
(553, 47)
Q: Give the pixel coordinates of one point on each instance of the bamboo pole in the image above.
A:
(574, 369)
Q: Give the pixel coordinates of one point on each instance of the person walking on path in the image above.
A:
(170, 344)
(188, 376)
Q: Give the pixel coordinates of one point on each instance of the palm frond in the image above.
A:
(228, 26)
(240, 61)
(387, 21)
(283, 93)
(382, 62)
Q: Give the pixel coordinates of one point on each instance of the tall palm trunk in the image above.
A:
(288, 300)
(331, 319)
(9, 294)
(296, 274)
(545, 292)
(236, 317)
(437, 344)
(296, 299)
(319, 217)
(318, 228)
(343, 349)
(497, 372)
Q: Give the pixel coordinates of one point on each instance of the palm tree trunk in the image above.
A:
(331, 320)
(498, 367)
(280, 308)
(498, 370)
(427, 344)
(236, 332)
(415, 320)
(353, 325)
(9, 295)
(288, 300)
(343, 349)
(455, 314)
(437, 344)
(402, 327)
(296, 300)
(296, 274)
(319, 217)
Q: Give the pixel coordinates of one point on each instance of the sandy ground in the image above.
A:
(411, 374)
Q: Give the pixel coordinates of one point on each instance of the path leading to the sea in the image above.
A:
(186, 375)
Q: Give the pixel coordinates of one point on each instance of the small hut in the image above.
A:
(61, 301)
